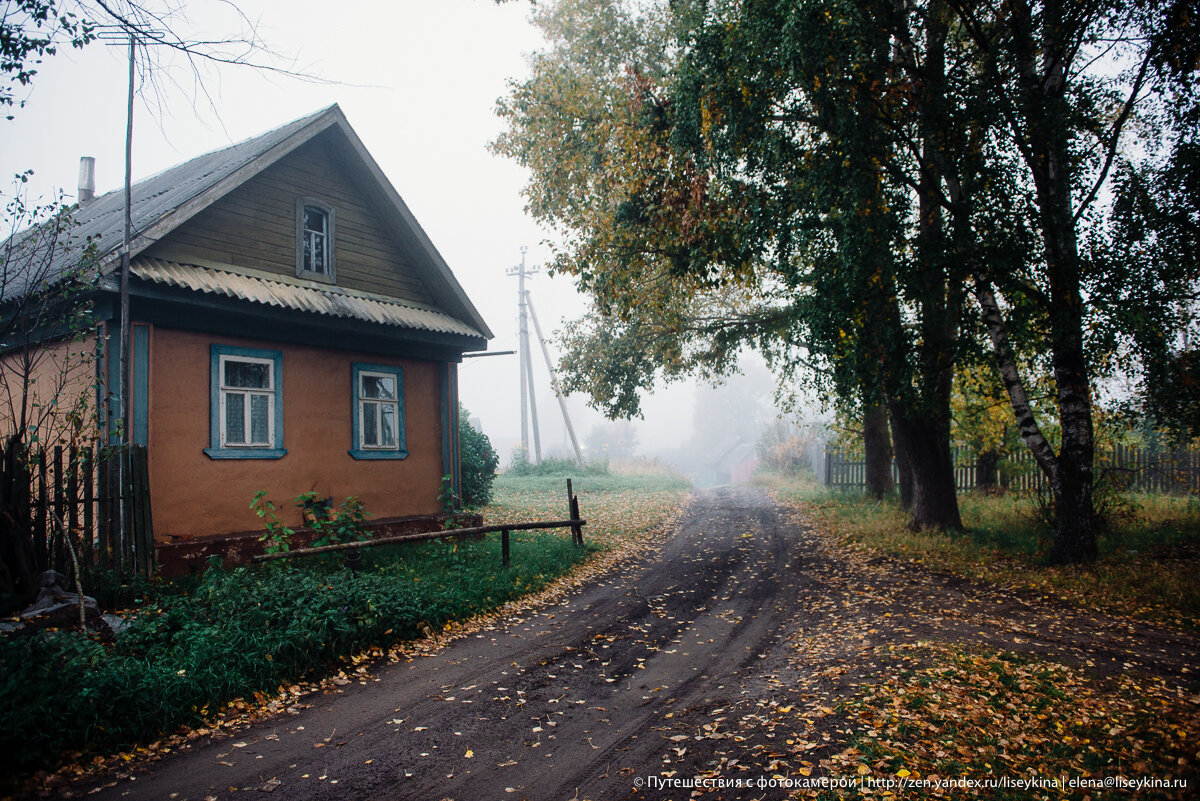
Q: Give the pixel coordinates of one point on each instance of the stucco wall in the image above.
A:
(62, 378)
(193, 494)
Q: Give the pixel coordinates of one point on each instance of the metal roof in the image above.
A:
(102, 220)
(286, 292)
(168, 199)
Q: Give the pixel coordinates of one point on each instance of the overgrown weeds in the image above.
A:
(197, 644)
(242, 631)
(1148, 555)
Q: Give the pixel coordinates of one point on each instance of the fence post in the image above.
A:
(39, 517)
(504, 548)
(104, 509)
(576, 529)
(85, 468)
(573, 515)
(147, 511)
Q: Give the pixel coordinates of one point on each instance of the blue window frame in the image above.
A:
(245, 403)
(378, 412)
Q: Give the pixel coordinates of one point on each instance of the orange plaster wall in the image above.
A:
(62, 376)
(193, 495)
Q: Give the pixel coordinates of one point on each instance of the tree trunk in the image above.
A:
(925, 445)
(877, 447)
(1043, 49)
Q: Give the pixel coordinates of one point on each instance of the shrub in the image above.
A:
(479, 462)
(241, 631)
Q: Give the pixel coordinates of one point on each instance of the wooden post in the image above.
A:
(576, 529)
(59, 559)
(570, 495)
(85, 467)
(125, 524)
(573, 515)
(103, 528)
(504, 548)
(138, 516)
(42, 542)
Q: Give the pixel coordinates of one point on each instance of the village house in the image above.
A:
(292, 329)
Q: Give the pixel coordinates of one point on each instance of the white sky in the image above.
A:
(418, 80)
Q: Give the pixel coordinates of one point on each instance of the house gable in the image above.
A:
(254, 225)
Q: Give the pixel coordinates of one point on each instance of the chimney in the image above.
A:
(87, 179)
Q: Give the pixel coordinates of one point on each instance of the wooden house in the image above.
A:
(293, 329)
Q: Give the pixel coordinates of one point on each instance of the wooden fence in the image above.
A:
(575, 523)
(55, 500)
(1137, 469)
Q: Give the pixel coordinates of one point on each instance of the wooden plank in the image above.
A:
(87, 473)
(124, 523)
(147, 521)
(40, 535)
(73, 488)
(103, 517)
(571, 508)
(576, 526)
(57, 520)
(429, 535)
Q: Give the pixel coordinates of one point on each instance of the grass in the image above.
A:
(203, 646)
(620, 507)
(1147, 565)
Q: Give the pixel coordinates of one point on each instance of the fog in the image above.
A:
(419, 86)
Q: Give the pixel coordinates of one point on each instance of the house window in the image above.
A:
(378, 410)
(314, 239)
(246, 411)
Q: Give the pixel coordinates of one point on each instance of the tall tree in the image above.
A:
(1065, 114)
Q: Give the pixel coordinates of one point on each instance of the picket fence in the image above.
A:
(53, 500)
(1132, 468)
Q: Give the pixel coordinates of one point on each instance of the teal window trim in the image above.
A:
(357, 451)
(216, 449)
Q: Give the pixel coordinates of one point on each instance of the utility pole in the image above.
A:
(562, 402)
(122, 35)
(528, 402)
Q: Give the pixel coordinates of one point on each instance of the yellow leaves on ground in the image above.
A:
(948, 712)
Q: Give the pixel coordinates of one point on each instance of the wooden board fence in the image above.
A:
(58, 499)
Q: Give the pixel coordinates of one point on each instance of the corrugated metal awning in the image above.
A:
(285, 292)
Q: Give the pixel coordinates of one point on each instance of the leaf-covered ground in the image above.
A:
(612, 528)
(747, 654)
(908, 683)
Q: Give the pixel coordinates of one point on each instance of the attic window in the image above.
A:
(314, 240)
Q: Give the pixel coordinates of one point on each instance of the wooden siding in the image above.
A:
(255, 226)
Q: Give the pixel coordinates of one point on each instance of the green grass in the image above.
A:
(620, 508)
(590, 484)
(205, 642)
(243, 631)
(1148, 557)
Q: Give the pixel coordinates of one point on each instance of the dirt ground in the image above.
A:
(669, 668)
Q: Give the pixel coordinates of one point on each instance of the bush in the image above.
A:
(479, 462)
(242, 631)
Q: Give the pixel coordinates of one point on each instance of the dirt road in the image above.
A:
(652, 671)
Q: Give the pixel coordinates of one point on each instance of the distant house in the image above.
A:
(292, 329)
